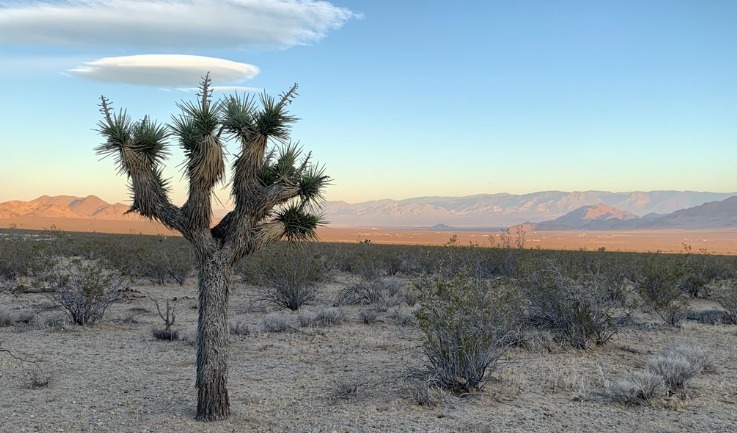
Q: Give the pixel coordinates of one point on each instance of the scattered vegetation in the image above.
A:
(288, 274)
(169, 317)
(275, 322)
(468, 324)
(85, 290)
(575, 306)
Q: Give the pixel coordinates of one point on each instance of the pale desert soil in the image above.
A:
(115, 377)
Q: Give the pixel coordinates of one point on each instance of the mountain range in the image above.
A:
(552, 210)
(65, 206)
(711, 215)
(504, 210)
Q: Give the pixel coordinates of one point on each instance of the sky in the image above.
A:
(398, 99)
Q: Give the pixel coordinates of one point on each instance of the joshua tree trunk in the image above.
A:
(275, 194)
(212, 338)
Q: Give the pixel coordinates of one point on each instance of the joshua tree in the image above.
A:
(276, 192)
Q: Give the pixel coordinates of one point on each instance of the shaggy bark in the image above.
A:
(212, 337)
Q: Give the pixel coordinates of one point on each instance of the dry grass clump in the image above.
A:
(275, 323)
(403, 317)
(637, 388)
(165, 334)
(345, 390)
(240, 329)
(325, 317)
(666, 375)
(368, 316)
(8, 318)
(679, 364)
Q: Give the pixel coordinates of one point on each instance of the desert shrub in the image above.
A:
(85, 290)
(679, 364)
(708, 317)
(169, 317)
(727, 298)
(324, 317)
(165, 334)
(345, 390)
(8, 318)
(468, 324)
(403, 317)
(275, 322)
(20, 255)
(698, 271)
(289, 274)
(575, 308)
(240, 329)
(380, 291)
(658, 285)
(368, 317)
(423, 392)
(38, 379)
(637, 388)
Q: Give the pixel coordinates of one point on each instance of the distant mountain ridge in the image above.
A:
(710, 215)
(502, 210)
(593, 210)
(64, 206)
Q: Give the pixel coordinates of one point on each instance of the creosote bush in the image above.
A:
(288, 273)
(85, 290)
(727, 298)
(659, 286)
(468, 324)
(575, 308)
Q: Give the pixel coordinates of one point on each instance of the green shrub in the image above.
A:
(727, 298)
(289, 274)
(575, 308)
(658, 285)
(468, 324)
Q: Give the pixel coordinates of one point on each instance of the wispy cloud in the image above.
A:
(165, 70)
(171, 24)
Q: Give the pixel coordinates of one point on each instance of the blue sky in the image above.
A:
(398, 98)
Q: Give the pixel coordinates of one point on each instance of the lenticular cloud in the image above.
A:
(171, 24)
(165, 70)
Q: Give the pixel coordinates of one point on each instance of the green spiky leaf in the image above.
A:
(149, 140)
(299, 224)
(273, 120)
(312, 184)
(238, 116)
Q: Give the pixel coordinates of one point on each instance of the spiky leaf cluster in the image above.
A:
(274, 184)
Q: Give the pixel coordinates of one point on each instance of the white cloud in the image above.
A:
(165, 70)
(171, 24)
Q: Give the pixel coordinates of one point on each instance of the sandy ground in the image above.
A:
(115, 377)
